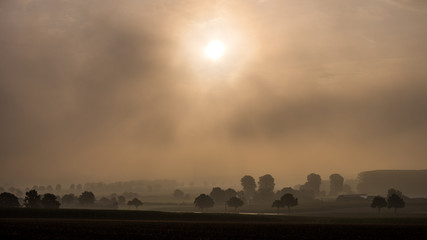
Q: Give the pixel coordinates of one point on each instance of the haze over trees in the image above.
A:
(266, 188)
(135, 202)
(312, 186)
(336, 184)
(249, 187)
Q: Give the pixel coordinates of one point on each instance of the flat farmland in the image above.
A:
(100, 224)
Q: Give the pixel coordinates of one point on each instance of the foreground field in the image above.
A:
(100, 224)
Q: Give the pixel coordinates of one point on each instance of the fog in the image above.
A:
(105, 90)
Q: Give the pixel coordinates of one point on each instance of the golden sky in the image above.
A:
(103, 90)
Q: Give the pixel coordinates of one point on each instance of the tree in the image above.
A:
(392, 191)
(266, 184)
(312, 186)
(87, 198)
(135, 202)
(265, 188)
(178, 194)
(336, 184)
(235, 202)
(69, 200)
(72, 187)
(278, 204)
(229, 193)
(8, 200)
(289, 200)
(32, 199)
(218, 195)
(378, 202)
(249, 187)
(395, 201)
(58, 187)
(203, 201)
(49, 201)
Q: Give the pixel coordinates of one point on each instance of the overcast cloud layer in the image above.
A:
(106, 90)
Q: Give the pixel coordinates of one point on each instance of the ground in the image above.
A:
(110, 224)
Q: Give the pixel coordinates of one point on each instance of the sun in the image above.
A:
(214, 50)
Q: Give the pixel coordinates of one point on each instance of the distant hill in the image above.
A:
(412, 183)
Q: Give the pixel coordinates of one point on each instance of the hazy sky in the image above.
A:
(104, 90)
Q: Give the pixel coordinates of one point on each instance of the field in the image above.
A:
(110, 224)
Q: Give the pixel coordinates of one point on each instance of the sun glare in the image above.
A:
(214, 50)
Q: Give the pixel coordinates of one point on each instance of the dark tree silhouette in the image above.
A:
(203, 201)
(178, 194)
(87, 198)
(32, 199)
(249, 187)
(69, 200)
(395, 201)
(278, 204)
(218, 195)
(336, 184)
(49, 201)
(135, 202)
(392, 191)
(8, 200)
(378, 202)
(289, 201)
(235, 202)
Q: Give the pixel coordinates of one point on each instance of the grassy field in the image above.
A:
(113, 224)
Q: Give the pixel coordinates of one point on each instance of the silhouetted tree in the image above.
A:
(135, 202)
(178, 194)
(49, 201)
(312, 186)
(203, 201)
(79, 187)
(278, 204)
(8, 200)
(87, 198)
(378, 202)
(229, 193)
(58, 187)
(289, 201)
(32, 199)
(336, 184)
(19, 193)
(392, 191)
(69, 200)
(235, 202)
(395, 201)
(72, 187)
(218, 195)
(265, 188)
(249, 187)
(49, 188)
